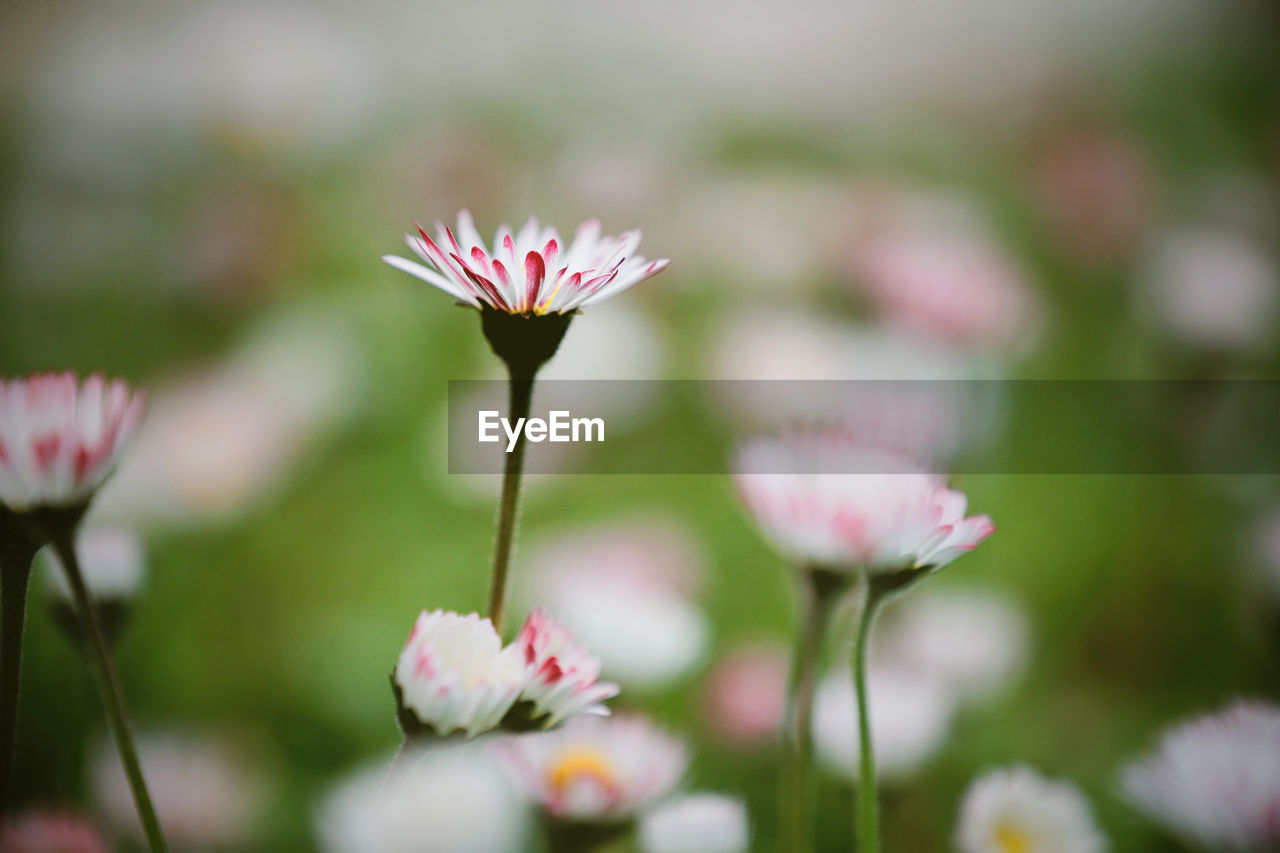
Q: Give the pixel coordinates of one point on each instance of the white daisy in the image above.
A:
(455, 676)
(112, 560)
(60, 439)
(456, 799)
(598, 769)
(530, 272)
(700, 822)
(563, 678)
(823, 501)
(1215, 780)
(1016, 810)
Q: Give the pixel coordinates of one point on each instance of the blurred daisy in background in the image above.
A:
(974, 642)
(1016, 810)
(911, 716)
(1095, 190)
(1214, 781)
(205, 793)
(598, 769)
(453, 799)
(1209, 287)
(221, 442)
(628, 591)
(113, 562)
(930, 265)
(744, 694)
(47, 830)
(699, 822)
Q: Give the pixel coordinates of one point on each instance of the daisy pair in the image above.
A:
(455, 676)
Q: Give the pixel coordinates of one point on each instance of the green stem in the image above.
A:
(868, 826)
(521, 393)
(15, 575)
(109, 686)
(820, 592)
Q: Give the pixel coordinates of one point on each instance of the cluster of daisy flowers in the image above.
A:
(455, 676)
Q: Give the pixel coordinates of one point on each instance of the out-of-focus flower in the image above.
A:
(974, 642)
(112, 563)
(456, 799)
(1215, 780)
(893, 389)
(60, 439)
(626, 591)
(598, 769)
(744, 694)
(454, 675)
(530, 272)
(1016, 810)
(1094, 188)
(947, 281)
(220, 442)
(50, 831)
(911, 716)
(112, 560)
(204, 794)
(1210, 287)
(825, 502)
(700, 822)
(563, 678)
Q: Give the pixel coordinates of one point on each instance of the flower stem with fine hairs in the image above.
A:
(820, 592)
(521, 399)
(109, 685)
(867, 830)
(16, 553)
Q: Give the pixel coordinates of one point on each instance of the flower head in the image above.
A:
(822, 501)
(207, 794)
(563, 678)
(531, 272)
(1215, 780)
(455, 800)
(697, 823)
(112, 560)
(49, 831)
(598, 769)
(60, 439)
(454, 675)
(1016, 810)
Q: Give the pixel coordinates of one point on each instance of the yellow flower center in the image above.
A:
(1011, 838)
(580, 764)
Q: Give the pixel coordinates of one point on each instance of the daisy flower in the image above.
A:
(50, 831)
(531, 272)
(824, 502)
(60, 439)
(1215, 780)
(1016, 810)
(453, 800)
(598, 770)
(455, 676)
(112, 559)
(697, 823)
(563, 678)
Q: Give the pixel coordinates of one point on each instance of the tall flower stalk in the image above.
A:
(821, 591)
(17, 549)
(527, 289)
(60, 440)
